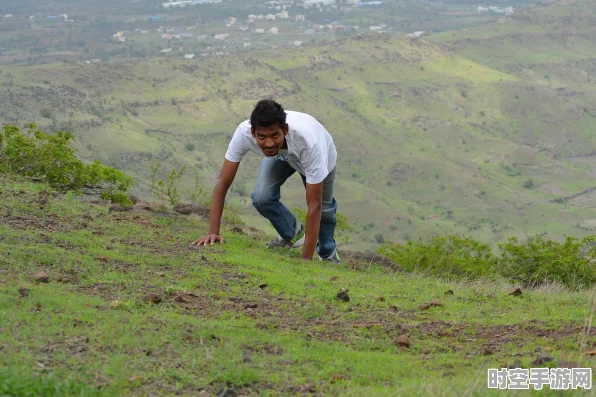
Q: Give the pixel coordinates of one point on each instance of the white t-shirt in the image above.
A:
(311, 150)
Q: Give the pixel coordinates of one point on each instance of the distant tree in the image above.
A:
(528, 184)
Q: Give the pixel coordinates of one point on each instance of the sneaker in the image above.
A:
(334, 257)
(295, 242)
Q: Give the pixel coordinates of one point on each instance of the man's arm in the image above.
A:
(226, 177)
(314, 200)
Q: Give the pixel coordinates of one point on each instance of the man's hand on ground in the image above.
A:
(209, 239)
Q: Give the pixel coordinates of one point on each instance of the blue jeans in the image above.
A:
(274, 171)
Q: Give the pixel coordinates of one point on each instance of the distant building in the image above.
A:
(495, 10)
(274, 30)
(246, 45)
(259, 30)
(166, 50)
(189, 56)
(300, 17)
(317, 2)
(270, 17)
(282, 15)
(297, 42)
(153, 18)
(416, 34)
(221, 36)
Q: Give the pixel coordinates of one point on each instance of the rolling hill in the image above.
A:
(486, 131)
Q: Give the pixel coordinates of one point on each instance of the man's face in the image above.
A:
(270, 139)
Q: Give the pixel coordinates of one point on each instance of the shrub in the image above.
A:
(47, 113)
(536, 262)
(456, 256)
(528, 184)
(51, 159)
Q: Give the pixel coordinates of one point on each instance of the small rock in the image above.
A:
(133, 199)
(402, 341)
(180, 299)
(153, 298)
(104, 259)
(87, 217)
(160, 274)
(335, 378)
(251, 305)
(264, 285)
(426, 306)
(590, 353)
(24, 292)
(204, 258)
(343, 295)
(515, 292)
(488, 351)
(333, 278)
(436, 302)
(237, 230)
(381, 299)
(42, 277)
(449, 292)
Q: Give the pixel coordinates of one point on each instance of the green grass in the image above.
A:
(91, 330)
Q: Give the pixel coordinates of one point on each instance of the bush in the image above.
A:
(570, 262)
(51, 159)
(47, 113)
(456, 256)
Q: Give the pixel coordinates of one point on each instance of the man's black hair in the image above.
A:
(267, 112)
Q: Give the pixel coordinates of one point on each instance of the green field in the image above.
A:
(106, 303)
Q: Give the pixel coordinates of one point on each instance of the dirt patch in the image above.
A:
(358, 260)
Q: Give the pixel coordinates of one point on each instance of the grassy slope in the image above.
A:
(91, 330)
(433, 137)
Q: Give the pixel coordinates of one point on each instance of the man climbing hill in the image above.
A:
(289, 141)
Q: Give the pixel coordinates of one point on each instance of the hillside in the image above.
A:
(106, 303)
(487, 132)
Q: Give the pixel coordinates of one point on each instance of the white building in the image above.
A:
(297, 42)
(282, 15)
(274, 30)
(270, 17)
(259, 30)
(189, 56)
(416, 34)
(246, 45)
(317, 2)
